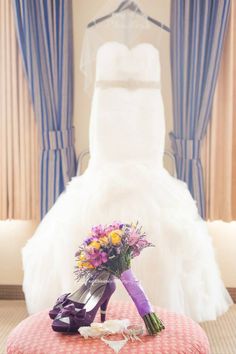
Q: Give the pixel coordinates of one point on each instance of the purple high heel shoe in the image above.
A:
(77, 298)
(72, 317)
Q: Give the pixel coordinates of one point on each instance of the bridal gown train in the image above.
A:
(126, 181)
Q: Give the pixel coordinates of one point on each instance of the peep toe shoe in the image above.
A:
(74, 315)
(75, 298)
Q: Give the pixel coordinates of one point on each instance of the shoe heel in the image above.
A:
(103, 310)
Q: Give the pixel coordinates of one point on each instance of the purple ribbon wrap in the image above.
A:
(136, 292)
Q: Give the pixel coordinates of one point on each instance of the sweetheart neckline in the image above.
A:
(130, 49)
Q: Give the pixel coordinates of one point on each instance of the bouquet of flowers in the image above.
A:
(111, 248)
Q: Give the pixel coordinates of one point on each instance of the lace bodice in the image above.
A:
(115, 61)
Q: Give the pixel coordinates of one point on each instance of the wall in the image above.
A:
(13, 235)
(224, 241)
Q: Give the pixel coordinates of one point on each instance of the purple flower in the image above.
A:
(98, 231)
(114, 226)
(89, 240)
(96, 257)
(135, 252)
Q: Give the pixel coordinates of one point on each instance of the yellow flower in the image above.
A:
(104, 240)
(82, 256)
(115, 237)
(84, 264)
(95, 244)
(88, 265)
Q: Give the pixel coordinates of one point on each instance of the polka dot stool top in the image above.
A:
(181, 336)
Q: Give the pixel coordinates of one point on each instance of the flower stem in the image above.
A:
(153, 324)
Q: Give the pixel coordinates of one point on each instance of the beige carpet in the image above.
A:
(11, 313)
(221, 333)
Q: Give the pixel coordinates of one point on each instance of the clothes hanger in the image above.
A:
(132, 6)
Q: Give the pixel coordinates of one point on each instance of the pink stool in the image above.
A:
(181, 336)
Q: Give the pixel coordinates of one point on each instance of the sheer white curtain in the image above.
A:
(219, 150)
(19, 196)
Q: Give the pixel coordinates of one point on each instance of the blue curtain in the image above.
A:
(44, 30)
(197, 33)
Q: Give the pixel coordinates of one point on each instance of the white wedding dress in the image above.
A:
(126, 181)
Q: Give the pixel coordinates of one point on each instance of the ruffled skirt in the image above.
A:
(180, 273)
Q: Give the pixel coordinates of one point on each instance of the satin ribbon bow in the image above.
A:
(61, 299)
(70, 311)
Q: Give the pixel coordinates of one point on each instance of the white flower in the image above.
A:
(93, 332)
(116, 326)
(97, 330)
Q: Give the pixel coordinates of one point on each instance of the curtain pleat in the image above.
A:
(45, 37)
(19, 158)
(219, 147)
(197, 33)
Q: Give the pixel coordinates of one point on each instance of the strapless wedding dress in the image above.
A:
(126, 181)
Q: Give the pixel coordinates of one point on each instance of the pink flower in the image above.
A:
(139, 246)
(114, 226)
(96, 257)
(135, 252)
(98, 231)
(142, 243)
(133, 238)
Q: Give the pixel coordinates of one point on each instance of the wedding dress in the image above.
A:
(126, 181)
